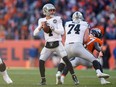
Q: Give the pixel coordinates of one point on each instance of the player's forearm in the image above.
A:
(86, 36)
(60, 31)
(36, 31)
(97, 47)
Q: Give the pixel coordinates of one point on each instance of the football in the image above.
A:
(46, 28)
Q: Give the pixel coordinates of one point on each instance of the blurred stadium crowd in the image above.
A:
(18, 18)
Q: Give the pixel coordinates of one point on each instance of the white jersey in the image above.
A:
(55, 22)
(75, 31)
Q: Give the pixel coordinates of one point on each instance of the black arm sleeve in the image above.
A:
(97, 46)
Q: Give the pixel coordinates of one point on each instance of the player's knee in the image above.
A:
(2, 67)
(41, 61)
(96, 64)
(89, 65)
(65, 59)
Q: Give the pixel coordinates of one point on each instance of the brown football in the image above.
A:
(46, 28)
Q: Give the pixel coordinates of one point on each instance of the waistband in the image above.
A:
(73, 43)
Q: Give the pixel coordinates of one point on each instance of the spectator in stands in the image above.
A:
(17, 12)
(114, 53)
(2, 33)
(33, 54)
(106, 54)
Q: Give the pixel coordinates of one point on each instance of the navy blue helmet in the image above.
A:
(96, 32)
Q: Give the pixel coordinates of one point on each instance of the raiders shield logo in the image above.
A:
(54, 21)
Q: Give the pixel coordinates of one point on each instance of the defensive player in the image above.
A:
(77, 33)
(93, 43)
(53, 41)
(4, 73)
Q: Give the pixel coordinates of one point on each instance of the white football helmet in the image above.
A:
(48, 7)
(77, 16)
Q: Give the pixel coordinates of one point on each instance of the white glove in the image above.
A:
(52, 28)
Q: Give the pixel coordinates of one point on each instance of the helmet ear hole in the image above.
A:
(44, 11)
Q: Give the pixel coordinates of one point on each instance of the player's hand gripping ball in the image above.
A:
(46, 28)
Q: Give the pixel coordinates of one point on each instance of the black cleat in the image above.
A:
(43, 81)
(76, 81)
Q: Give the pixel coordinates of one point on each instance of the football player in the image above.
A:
(77, 33)
(53, 40)
(94, 42)
(4, 73)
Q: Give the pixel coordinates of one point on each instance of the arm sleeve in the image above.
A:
(97, 46)
(60, 29)
(37, 29)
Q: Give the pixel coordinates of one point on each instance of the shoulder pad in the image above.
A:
(42, 19)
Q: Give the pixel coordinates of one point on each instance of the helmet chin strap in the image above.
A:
(50, 16)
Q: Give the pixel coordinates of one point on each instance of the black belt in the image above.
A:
(53, 44)
(71, 43)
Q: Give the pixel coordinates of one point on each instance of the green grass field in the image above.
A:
(31, 78)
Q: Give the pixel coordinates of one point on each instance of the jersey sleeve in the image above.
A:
(99, 41)
(98, 44)
(87, 25)
(39, 22)
(65, 26)
(36, 31)
(60, 29)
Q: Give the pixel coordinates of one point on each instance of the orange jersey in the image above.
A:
(90, 43)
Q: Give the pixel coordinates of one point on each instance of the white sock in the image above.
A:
(6, 77)
(62, 79)
(98, 71)
(58, 72)
(101, 79)
(4, 73)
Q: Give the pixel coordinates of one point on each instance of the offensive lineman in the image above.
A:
(77, 33)
(93, 43)
(53, 41)
(4, 73)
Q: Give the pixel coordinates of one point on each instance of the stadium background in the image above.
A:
(18, 19)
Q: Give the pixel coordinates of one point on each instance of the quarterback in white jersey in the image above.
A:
(53, 41)
(56, 23)
(77, 33)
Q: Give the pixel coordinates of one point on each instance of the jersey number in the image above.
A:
(74, 27)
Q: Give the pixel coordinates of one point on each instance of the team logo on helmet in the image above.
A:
(45, 9)
(96, 32)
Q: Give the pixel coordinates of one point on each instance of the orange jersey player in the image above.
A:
(93, 43)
